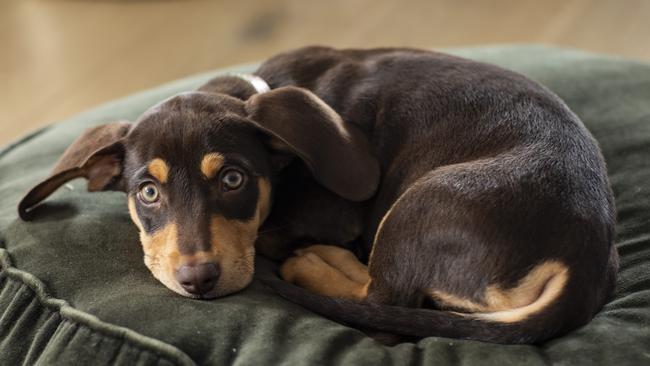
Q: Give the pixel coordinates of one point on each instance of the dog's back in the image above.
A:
(511, 162)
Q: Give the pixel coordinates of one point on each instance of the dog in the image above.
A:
(407, 191)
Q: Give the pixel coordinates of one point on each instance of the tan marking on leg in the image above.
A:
(446, 300)
(159, 169)
(211, 163)
(383, 221)
(341, 259)
(534, 292)
(314, 274)
(545, 283)
(378, 231)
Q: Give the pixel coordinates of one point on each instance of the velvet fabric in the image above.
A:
(74, 288)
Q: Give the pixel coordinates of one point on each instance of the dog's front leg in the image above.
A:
(328, 270)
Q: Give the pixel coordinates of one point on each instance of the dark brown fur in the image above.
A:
(485, 175)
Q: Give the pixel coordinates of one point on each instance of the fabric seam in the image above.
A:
(75, 316)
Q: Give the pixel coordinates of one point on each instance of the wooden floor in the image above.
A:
(60, 57)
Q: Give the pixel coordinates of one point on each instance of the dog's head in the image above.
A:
(198, 170)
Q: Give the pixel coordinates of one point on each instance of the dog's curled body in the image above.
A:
(486, 178)
(478, 203)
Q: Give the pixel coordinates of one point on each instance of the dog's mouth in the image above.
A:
(207, 296)
(205, 280)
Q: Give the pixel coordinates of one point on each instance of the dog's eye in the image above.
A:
(232, 179)
(149, 193)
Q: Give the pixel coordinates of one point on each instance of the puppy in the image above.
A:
(476, 202)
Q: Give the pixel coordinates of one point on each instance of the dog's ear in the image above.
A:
(96, 155)
(336, 152)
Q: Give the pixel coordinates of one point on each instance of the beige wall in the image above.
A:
(60, 57)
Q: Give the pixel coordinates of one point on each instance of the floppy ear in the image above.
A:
(96, 155)
(336, 152)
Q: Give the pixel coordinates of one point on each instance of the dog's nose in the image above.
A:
(198, 279)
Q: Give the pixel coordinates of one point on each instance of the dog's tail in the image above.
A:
(551, 321)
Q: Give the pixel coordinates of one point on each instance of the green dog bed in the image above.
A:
(74, 289)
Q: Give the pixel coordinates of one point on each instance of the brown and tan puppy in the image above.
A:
(476, 203)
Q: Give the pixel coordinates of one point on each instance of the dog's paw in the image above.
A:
(298, 268)
(311, 272)
(342, 259)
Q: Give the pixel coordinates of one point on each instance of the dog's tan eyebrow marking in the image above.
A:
(159, 169)
(211, 164)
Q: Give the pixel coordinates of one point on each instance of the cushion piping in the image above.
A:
(75, 316)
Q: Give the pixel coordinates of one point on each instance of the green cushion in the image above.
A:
(74, 289)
